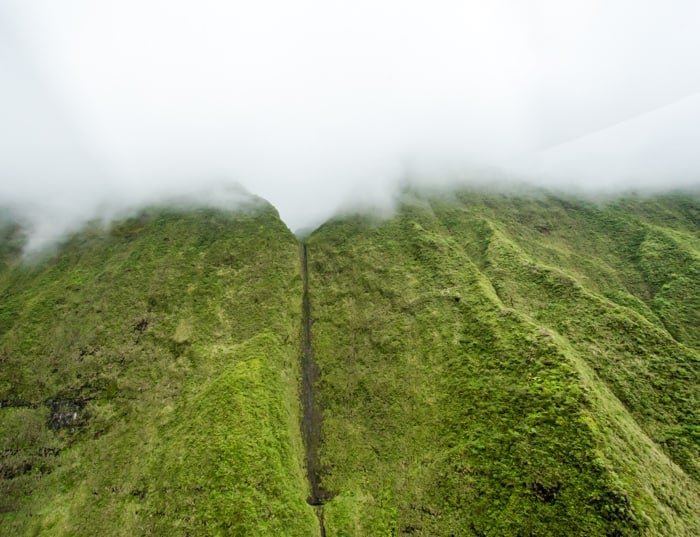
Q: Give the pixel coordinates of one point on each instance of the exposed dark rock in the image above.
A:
(65, 414)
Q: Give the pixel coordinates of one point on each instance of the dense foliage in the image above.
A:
(488, 365)
(500, 365)
(152, 371)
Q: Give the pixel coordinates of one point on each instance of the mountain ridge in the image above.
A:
(488, 364)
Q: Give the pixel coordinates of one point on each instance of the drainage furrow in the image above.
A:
(311, 415)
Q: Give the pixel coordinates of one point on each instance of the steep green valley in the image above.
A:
(475, 364)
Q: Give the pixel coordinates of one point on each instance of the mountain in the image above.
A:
(474, 364)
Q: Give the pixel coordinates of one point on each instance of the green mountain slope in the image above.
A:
(152, 369)
(494, 365)
(481, 364)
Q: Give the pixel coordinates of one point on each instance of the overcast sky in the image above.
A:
(317, 104)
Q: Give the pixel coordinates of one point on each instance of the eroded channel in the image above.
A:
(311, 413)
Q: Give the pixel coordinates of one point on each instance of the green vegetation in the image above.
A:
(173, 339)
(499, 365)
(488, 365)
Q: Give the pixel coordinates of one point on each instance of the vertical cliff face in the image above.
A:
(473, 365)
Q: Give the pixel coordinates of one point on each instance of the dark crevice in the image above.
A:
(311, 414)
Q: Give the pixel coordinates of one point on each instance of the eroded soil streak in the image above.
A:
(311, 414)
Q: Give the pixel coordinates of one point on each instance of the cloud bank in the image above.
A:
(315, 105)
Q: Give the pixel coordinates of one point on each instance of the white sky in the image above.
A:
(317, 104)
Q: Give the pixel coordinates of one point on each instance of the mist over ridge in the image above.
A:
(349, 268)
(320, 107)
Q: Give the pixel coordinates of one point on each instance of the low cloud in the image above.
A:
(317, 106)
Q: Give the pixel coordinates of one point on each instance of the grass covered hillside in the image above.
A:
(148, 379)
(473, 365)
(498, 365)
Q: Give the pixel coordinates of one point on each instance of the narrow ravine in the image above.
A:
(311, 414)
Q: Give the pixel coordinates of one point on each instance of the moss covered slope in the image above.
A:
(485, 365)
(152, 370)
(493, 365)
